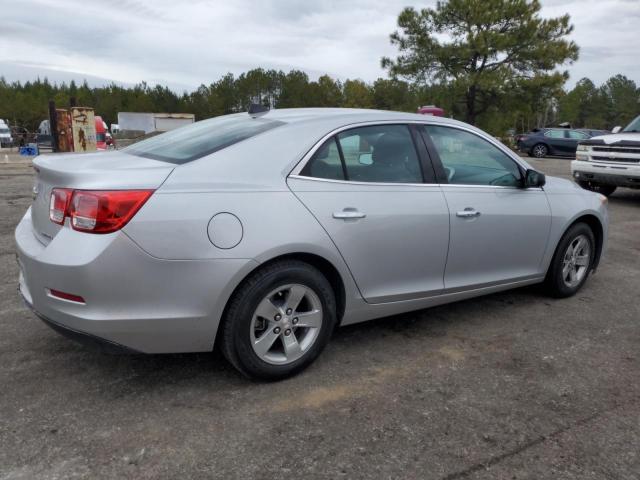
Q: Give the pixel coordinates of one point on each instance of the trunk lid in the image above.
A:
(90, 171)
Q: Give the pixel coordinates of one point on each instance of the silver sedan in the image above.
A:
(259, 233)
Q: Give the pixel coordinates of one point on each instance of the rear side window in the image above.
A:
(380, 154)
(325, 163)
(194, 141)
(554, 134)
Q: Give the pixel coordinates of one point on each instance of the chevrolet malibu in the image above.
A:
(259, 233)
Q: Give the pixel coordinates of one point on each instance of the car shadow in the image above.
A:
(130, 372)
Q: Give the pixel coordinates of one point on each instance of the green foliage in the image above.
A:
(623, 100)
(537, 101)
(585, 105)
(616, 102)
(356, 94)
(484, 49)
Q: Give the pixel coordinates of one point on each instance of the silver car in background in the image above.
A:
(259, 233)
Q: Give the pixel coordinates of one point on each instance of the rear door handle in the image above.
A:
(468, 213)
(349, 214)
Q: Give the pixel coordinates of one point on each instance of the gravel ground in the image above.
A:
(513, 385)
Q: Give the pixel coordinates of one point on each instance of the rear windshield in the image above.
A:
(194, 141)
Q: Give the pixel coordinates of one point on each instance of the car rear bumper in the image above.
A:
(133, 301)
(614, 174)
(83, 338)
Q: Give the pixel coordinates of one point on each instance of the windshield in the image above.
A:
(634, 126)
(194, 141)
(4, 130)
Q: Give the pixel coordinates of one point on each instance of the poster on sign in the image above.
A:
(84, 129)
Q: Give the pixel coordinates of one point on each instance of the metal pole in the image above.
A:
(53, 125)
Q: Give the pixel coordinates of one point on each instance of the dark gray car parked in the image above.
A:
(553, 141)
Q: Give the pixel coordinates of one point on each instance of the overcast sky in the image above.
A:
(184, 44)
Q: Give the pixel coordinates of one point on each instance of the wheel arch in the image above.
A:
(322, 264)
(596, 227)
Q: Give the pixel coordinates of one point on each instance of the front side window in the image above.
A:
(577, 135)
(202, 138)
(380, 154)
(470, 160)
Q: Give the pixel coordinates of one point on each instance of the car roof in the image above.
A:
(264, 161)
(345, 116)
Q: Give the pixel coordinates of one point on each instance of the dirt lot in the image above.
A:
(513, 385)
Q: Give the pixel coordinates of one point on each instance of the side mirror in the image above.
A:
(534, 179)
(616, 129)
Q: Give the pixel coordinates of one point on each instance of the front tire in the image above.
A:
(278, 321)
(605, 190)
(572, 262)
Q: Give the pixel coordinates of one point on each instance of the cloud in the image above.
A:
(184, 44)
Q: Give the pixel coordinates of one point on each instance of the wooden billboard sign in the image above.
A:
(83, 126)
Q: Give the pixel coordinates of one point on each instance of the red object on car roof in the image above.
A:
(431, 110)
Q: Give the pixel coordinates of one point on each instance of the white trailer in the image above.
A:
(153, 122)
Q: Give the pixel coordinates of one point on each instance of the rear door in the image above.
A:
(367, 188)
(499, 230)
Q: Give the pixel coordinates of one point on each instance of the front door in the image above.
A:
(365, 186)
(559, 142)
(499, 230)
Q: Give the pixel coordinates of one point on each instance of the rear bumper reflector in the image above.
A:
(66, 296)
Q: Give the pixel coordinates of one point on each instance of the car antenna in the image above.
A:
(256, 110)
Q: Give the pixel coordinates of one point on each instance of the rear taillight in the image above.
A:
(102, 211)
(59, 204)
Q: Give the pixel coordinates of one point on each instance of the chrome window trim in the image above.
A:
(354, 182)
(295, 171)
(392, 184)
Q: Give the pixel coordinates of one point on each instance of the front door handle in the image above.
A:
(348, 214)
(468, 213)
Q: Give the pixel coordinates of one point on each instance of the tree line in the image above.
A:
(615, 102)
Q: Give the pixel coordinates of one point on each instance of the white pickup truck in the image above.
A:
(604, 163)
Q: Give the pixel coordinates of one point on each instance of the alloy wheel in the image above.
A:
(576, 261)
(539, 151)
(286, 324)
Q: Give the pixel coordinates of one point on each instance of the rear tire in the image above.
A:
(262, 334)
(605, 190)
(572, 261)
(539, 150)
